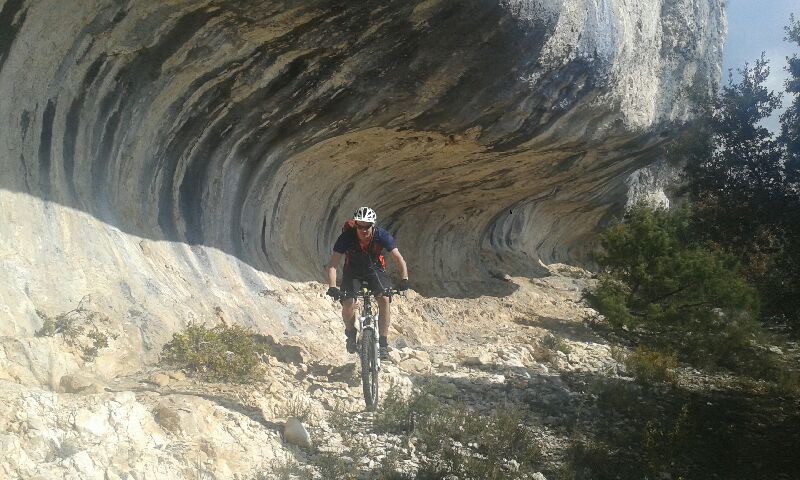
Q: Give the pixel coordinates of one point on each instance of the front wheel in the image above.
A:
(369, 368)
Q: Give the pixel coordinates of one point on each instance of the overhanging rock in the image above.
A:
(487, 134)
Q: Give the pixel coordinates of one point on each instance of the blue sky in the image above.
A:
(756, 26)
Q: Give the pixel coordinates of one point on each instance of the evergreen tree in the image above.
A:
(656, 278)
(736, 177)
(790, 120)
(743, 182)
(783, 282)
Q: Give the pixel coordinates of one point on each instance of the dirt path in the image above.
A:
(535, 352)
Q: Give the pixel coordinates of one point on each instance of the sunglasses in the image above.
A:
(363, 227)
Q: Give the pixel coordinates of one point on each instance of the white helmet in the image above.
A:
(365, 214)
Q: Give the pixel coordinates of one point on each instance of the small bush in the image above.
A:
(342, 419)
(786, 382)
(662, 443)
(300, 408)
(285, 469)
(79, 329)
(99, 340)
(610, 298)
(390, 469)
(618, 354)
(656, 276)
(334, 467)
(587, 459)
(545, 350)
(224, 353)
(555, 342)
(650, 366)
(65, 324)
(456, 440)
(399, 414)
(617, 396)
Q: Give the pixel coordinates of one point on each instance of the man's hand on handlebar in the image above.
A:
(403, 285)
(334, 293)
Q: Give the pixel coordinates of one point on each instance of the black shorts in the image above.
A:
(375, 279)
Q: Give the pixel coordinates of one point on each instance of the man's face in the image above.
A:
(363, 229)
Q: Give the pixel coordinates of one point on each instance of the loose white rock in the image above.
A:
(295, 433)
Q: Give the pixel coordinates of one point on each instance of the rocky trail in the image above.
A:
(535, 355)
(480, 352)
(176, 163)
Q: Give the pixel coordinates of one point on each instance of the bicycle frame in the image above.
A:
(368, 347)
(367, 320)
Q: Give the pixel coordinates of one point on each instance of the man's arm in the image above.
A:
(400, 263)
(330, 271)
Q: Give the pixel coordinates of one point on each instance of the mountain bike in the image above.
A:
(367, 345)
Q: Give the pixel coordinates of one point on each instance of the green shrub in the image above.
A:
(99, 340)
(587, 459)
(79, 329)
(299, 407)
(455, 440)
(663, 442)
(333, 466)
(743, 181)
(542, 354)
(285, 469)
(618, 353)
(342, 419)
(658, 279)
(786, 382)
(555, 342)
(66, 324)
(390, 469)
(398, 414)
(650, 366)
(617, 396)
(655, 274)
(610, 298)
(225, 353)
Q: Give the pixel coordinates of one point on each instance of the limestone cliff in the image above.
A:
(482, 131)
(171, 161)
(168, 161)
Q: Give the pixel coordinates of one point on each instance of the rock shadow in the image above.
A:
(252, 413)
(613, 428)
(566, 328)
(283, 353)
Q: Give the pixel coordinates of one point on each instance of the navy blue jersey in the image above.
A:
(360, 260)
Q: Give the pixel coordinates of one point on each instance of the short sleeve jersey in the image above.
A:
(356, 257)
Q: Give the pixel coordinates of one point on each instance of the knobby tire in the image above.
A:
(369, 369)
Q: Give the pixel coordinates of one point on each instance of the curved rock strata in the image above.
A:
(487, 134)
(163, 162)
(485, 125)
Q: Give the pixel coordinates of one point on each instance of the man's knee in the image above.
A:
(348, 305)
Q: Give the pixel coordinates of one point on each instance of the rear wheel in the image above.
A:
(369, 368)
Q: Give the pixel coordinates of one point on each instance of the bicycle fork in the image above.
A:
(367, 325)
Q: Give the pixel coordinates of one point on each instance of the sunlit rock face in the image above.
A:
(137, 136)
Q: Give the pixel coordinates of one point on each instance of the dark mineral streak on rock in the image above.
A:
(45, 148)
(12, 16)
(24, 124)
(132, 84)
(72, 124)
(257, 128)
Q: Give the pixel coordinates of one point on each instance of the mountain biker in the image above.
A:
(362, 243)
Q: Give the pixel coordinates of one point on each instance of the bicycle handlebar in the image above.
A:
(386, 292)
